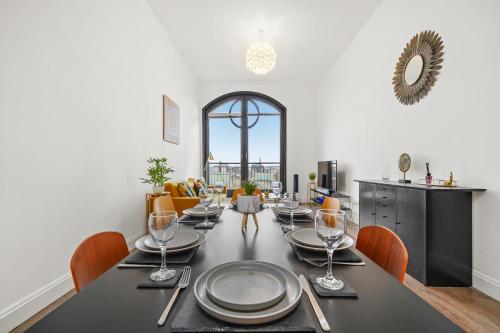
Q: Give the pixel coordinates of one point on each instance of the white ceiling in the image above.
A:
(308, 35)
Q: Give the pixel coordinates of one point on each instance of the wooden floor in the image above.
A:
(467, 307)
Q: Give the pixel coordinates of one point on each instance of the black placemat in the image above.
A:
(191, 318)
(347, 255)
(140, 257)
(346, 291)
(296, 219)
(146, 282)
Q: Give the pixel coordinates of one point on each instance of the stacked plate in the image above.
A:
(248, 292)
(307, 238)
(301, 211)
(183, 240)
(199, 212)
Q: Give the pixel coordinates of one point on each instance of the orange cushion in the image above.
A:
(172, 188)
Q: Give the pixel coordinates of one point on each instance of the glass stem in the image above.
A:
(206, 214)
(163, 267)
(291, 220)
(329, 272)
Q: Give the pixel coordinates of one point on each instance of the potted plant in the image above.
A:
(157, 173)
(249, 203)
(312, 176)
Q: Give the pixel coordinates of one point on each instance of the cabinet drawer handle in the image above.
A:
(373, 213)
(384, 197)
(398, 222)
(384, 205)
(384, 216)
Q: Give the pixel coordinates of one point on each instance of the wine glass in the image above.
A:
(206, 199)
(331, 228)
(291, 203)
(277, 187)
(162, 227)
(219, 187)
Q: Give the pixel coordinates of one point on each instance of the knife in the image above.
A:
(317, 310)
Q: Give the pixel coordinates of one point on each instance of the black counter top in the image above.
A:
(419, 186)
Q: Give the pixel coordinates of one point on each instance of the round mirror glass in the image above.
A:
(413, 69)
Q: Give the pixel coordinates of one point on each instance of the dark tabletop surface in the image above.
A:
(112, 303)
(420, 186)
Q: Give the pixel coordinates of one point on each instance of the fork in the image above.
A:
(323, 263)
(183, 283)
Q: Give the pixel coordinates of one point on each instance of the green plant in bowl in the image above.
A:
(157, 172)
(250, 187)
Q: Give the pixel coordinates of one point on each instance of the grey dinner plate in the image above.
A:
(347, 243)
(141, 246)
(246, 286)
(307, 237)
(279, 310)
(181, 239)
(200, 211)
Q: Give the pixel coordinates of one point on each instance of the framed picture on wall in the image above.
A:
(171, 121)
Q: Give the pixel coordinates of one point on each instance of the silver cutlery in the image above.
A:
(321, 263)
(137, 265)
(183, 283)
(317, 310)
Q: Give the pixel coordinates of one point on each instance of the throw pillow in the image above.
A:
(182, 190)
(203, 183)
(189, 192)
(197, 187)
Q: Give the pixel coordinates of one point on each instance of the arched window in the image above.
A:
(244, 138)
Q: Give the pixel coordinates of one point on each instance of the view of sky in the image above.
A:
(263, 138)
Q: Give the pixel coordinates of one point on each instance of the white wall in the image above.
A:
(454, 128)
(300, 102)
(81, 89)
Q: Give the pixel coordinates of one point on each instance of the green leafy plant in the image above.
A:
(250, 187)
(157, 171)
(312, 176)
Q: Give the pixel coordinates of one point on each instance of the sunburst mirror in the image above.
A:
(417, 67)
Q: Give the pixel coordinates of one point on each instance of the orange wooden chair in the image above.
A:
(331, 203)
(96, 255)
(163, 203)
(240, 191)
(385, 248)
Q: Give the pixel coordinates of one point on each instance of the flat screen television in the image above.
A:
(327, 175)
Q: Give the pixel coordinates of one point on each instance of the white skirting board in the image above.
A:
(486, 284)
(18, 312)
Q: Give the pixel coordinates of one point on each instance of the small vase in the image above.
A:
(248, 204)
(158, 189)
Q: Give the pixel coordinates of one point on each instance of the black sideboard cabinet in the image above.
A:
(434, 223)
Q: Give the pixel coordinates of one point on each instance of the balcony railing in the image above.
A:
(263, 173)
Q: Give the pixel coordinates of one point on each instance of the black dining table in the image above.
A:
(113, 303)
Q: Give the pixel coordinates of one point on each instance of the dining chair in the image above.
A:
(385, 248)
(331, 203)
(95, 255)
(163, 203)
(240, 191)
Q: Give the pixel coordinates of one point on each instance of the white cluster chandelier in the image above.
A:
(261, 58)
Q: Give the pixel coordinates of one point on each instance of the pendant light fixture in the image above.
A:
(261, 56)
